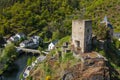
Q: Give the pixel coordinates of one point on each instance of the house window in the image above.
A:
(77, 43)
(88, 30)
(80, 27)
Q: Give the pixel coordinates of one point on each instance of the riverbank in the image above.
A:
(21, 62)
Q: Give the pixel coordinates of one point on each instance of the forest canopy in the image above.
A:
(54, 16)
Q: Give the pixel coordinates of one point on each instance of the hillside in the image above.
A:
(48, 16)
(7, 3)
(71, 69)
(51, 20)
(99, 8)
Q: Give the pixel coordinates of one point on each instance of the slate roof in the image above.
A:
(110, 26)
(28, 41)
(54, 42)
(105, 20)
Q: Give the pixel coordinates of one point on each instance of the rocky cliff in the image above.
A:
(91, 69)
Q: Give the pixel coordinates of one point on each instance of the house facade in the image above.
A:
(20, 35)
(33, 42)
(52, 45)
(27, 43)
(16, 37)
(13, 39)
(82, 35)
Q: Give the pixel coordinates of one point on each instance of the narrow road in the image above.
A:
(30, 67)
(27, 50)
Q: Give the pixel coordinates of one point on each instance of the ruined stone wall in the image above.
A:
(88, 35)
(82, 34)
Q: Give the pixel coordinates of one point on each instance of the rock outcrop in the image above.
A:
(91, 69)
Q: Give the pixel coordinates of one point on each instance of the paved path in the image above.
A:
(29, 68)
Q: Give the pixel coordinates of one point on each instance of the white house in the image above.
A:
(20, 35)
(52, 45)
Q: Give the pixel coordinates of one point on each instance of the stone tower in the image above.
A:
(82, 34)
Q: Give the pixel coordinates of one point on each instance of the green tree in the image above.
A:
(102, 32)
(29, 61)
(56, 35)
(7, 58)
(117, 44)
(9, 53)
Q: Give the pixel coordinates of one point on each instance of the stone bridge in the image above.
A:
(19, 49)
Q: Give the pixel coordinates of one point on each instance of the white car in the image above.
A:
(27, 71)
(25, 75)
(28, 68)
(41, 58)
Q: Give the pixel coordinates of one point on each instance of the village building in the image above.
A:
(52, 45)
(27, 44)
(16, 38)
(12, 39)
(36, 39)
(33, 42)
(66, 48)
(20, 35)
(109, 26)
(81, 35)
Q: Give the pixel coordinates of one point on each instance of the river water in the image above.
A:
(21, 62)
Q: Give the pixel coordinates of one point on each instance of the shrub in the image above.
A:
(48, 78)
(67, 57)
(9, 53)
(29, 61)
(64, 39)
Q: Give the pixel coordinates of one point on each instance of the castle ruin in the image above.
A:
(82, 35)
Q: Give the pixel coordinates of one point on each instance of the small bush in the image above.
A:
(48, 78)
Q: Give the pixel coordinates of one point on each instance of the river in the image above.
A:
(21, 62)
